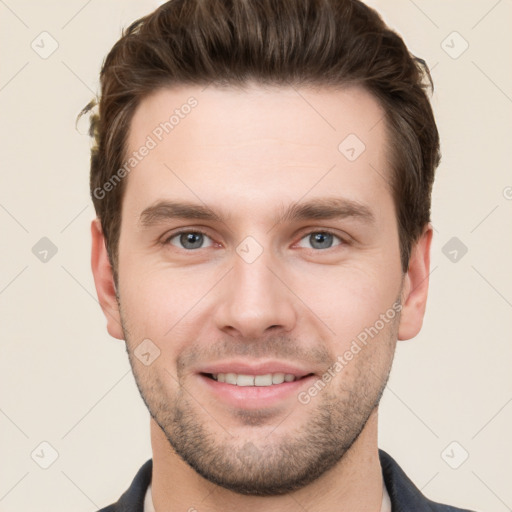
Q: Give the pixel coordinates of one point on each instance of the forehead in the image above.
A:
(260, 144)
(257, 111)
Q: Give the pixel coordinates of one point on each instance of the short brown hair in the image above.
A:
(277, 42)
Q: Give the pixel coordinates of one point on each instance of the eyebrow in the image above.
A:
(314, 209)
(164, 210)
(326, 208)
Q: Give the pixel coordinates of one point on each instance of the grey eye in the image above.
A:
(189, 240)
(320, 240)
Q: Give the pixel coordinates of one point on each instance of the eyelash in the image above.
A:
(166, 240)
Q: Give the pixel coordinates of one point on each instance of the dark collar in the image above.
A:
(404, 495)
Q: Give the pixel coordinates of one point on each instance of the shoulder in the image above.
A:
(132, 500)
(404, 495)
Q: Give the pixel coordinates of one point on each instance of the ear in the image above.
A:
(415, 289)
(104, 281)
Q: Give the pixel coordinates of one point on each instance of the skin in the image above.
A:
(248, 155)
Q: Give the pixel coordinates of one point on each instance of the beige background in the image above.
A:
(64, 381)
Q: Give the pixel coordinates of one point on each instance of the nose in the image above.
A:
(255, 299)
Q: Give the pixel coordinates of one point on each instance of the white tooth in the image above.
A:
(245, 380)
(239, 379)
(231, 378)
(263, 380)
(277, 378)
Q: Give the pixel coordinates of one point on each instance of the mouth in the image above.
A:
(246, 380)
(253, 392)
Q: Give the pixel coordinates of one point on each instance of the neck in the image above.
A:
(354, 484)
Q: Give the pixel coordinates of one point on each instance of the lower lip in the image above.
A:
(253, 397)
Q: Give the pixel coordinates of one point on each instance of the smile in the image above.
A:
(240, 379)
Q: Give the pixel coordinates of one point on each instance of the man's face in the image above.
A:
(255, 288)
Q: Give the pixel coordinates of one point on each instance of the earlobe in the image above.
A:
(104, 281)
(415, 289)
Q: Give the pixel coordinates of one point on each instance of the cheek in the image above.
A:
(158, 303)
(348, 298)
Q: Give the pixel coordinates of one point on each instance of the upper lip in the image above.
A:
(257, 368)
